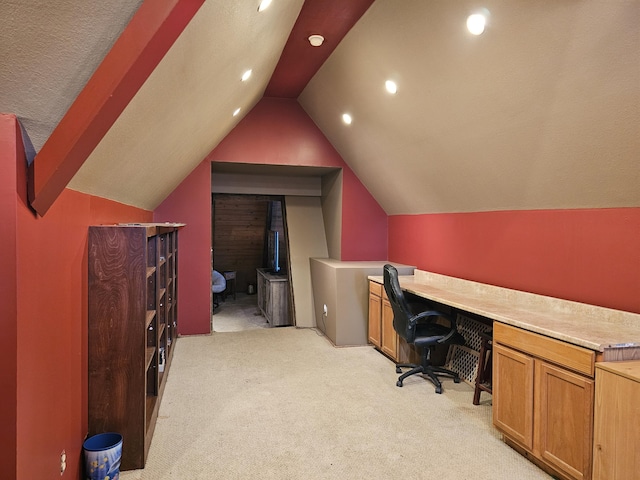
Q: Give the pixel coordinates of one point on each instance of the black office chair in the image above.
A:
(420, 330)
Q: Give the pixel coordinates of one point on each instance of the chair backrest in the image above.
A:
(401, 311)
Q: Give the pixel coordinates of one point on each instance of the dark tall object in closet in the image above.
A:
(133, 287)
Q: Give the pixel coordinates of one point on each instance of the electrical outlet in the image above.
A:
(63, 462)
(325, 310)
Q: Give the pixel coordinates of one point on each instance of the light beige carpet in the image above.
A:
(239, 314)
(283, 403)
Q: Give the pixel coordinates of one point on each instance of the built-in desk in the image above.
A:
(544, 356)
(596, 328)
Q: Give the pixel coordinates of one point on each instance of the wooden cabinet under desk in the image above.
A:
(616, 439)
(375, 314)
(273, 297)
(381, 332)
(545, 351)
(543, 399)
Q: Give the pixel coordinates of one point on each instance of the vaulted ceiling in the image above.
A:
(540, 111)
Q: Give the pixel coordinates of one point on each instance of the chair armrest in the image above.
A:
(453, 331)
(430, 314)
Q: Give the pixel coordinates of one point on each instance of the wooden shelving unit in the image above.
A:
(133, 293)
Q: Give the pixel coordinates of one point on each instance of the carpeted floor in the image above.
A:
(236, 315)
(283, 403)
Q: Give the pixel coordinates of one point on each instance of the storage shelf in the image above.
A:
(149, 353)
(149, 406)
(129, 330)
(149, 319)
(160, 331)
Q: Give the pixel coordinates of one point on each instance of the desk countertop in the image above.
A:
(589, 326)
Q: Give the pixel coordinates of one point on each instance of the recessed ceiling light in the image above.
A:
(476, 23)
(391, 86)
(263, 5)
(236, 112)
(346, 118)
(246, 75)
(316, 40)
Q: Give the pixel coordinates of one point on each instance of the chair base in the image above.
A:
(430, 371)
(216, 299)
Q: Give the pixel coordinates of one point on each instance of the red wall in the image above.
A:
(279, 132)
(44, 401)
(190, 203)
(275, 132)
(590, 256)
(10, 149)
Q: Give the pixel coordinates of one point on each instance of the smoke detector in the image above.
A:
(316, 40)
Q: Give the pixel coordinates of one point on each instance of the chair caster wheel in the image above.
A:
(398, 370)
(398, 383)
(438, 389)
(456, 379)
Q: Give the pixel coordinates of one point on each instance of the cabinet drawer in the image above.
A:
(375, 288)
(576, 358)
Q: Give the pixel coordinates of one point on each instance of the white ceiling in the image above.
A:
(541, 111)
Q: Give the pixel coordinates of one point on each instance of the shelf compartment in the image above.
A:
(160, 333)
(149, 353)
(150, 405)
(129, 340)
(150, 316)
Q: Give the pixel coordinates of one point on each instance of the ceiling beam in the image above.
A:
(299, 61)
(135, 54)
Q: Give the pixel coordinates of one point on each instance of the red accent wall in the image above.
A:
(275, 132)
(10, 149)
(190, 203)
(363, 222)
(590, 256)
(279, 132)
(44, 330)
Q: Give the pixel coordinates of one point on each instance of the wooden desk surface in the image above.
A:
(581, 324)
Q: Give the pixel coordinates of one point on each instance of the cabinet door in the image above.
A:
(616, 436)
(375, 312)
(513, 394)
(564, 412)
(389, 336)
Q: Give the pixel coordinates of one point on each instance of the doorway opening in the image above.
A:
(243, 231)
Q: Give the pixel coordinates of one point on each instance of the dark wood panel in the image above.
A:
(239, 235)
(132, 315)
(117, 285)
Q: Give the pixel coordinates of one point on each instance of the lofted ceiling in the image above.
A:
(542, 111)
